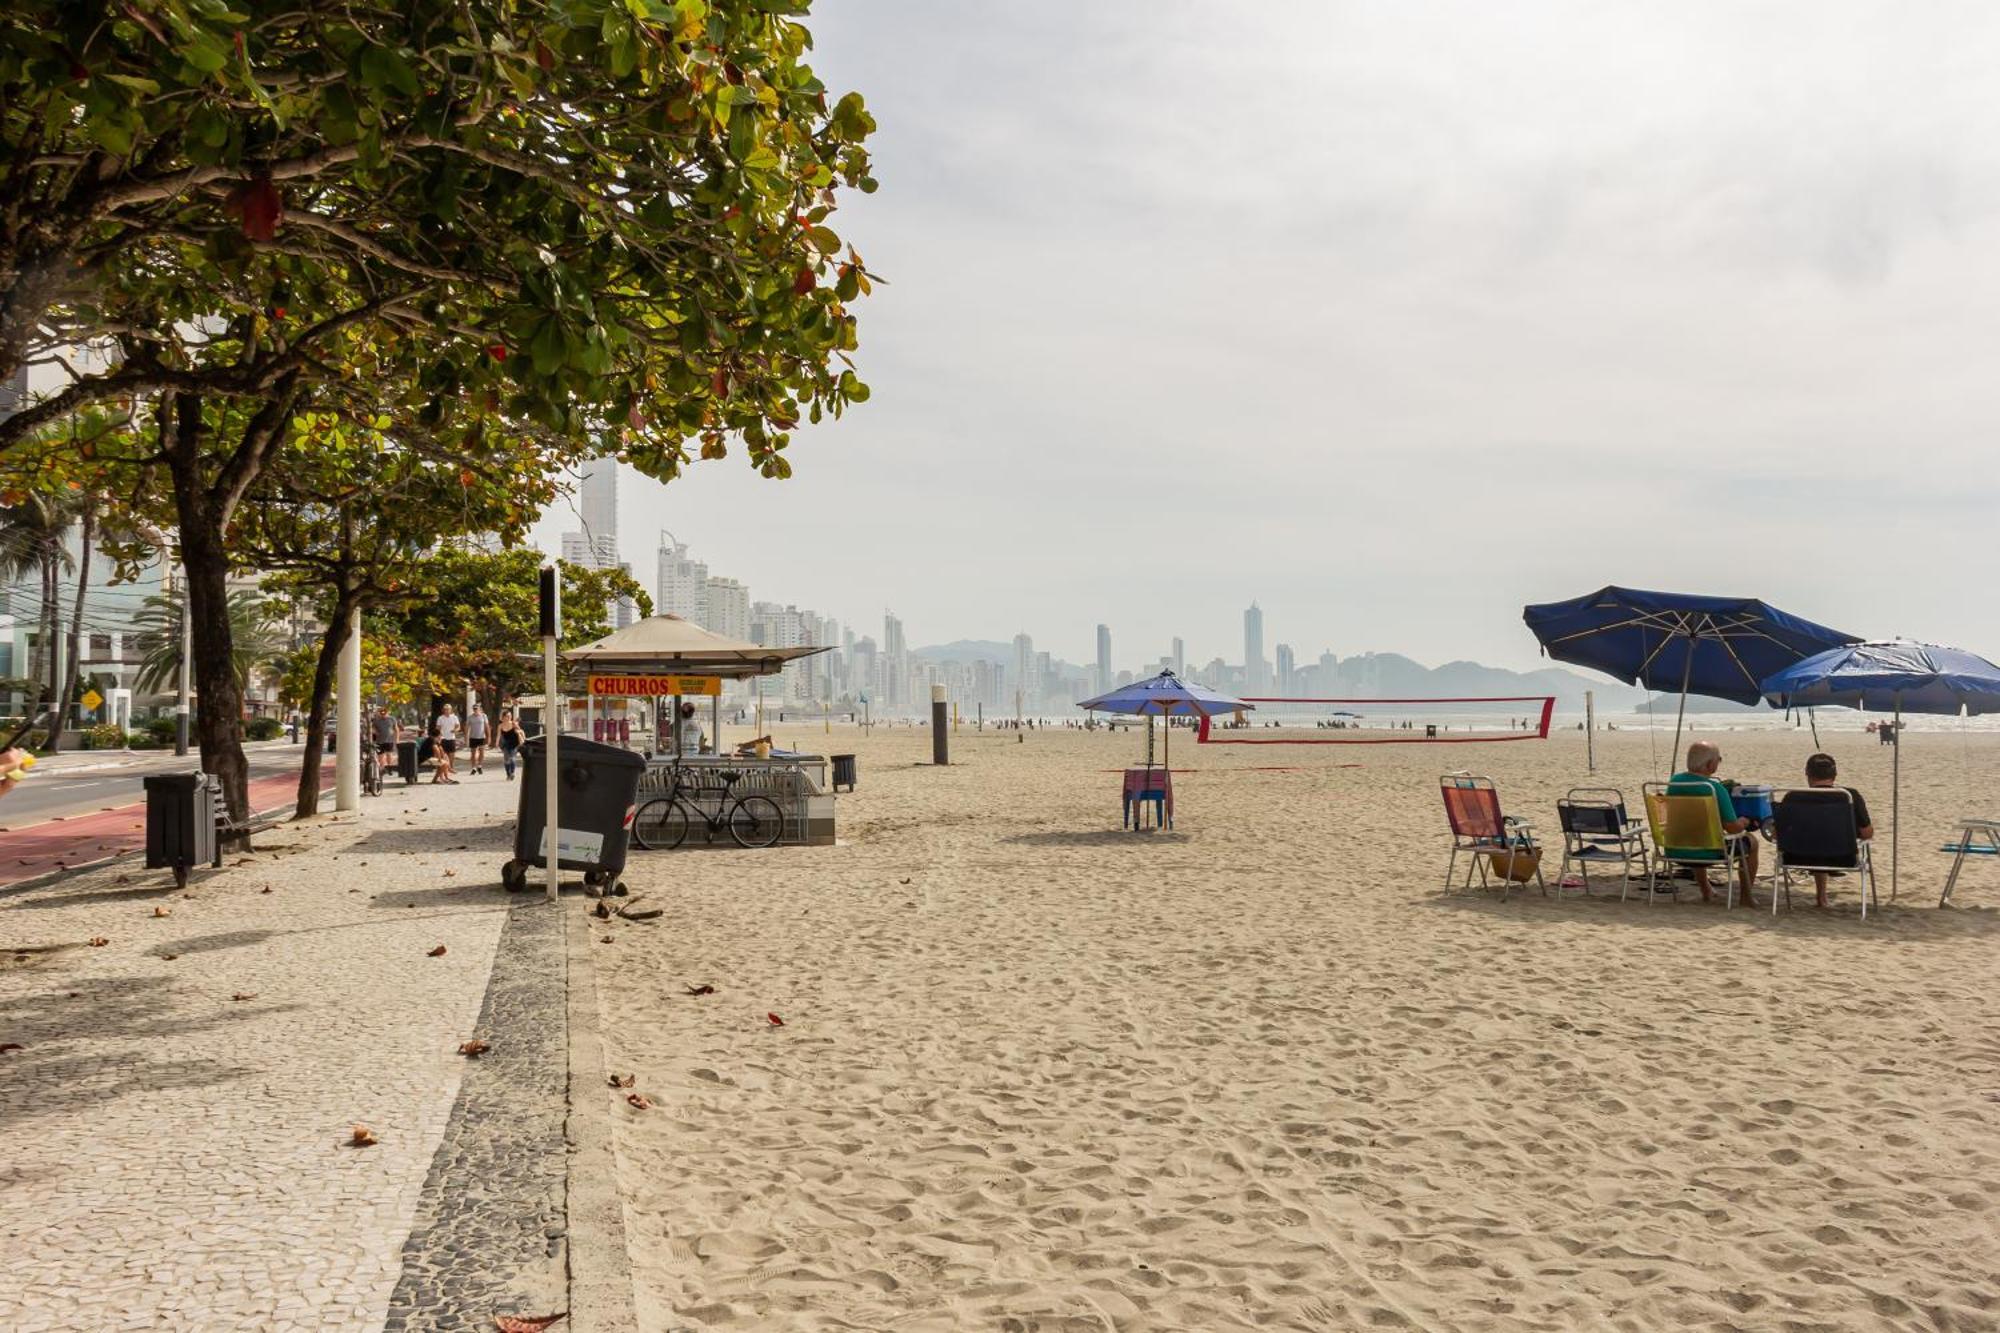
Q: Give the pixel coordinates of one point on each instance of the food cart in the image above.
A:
(633, 683)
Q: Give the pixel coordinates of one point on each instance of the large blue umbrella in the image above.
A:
(1719, 646)
(1164, 695)
(1899, 676)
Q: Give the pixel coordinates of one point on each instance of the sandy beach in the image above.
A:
(1035, 1073)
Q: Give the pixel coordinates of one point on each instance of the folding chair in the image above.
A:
(1814, 829)
(1596, 828)
(1692, 824)
(1472, 805)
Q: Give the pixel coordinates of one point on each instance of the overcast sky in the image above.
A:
(1395, 317)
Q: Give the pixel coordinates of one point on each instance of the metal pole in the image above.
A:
(347, 712)
(1590, 729)
(940, 734)
(181, 708)
(1686, 676)
(552, 729)
(1896, 797)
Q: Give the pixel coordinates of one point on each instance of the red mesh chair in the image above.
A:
(1472, 806)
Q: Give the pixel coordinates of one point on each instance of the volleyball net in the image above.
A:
(1320, 721)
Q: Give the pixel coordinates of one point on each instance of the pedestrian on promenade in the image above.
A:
(475, 737)
(446, 727)
(510, 741)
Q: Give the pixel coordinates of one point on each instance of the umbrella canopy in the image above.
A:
(1899, 675)
(1913, 677)
(1719, 646)
(670, 645)
(1165, 695)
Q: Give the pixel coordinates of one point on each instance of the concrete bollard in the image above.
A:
(940, 732)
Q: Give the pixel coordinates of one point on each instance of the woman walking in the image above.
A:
(510, 741)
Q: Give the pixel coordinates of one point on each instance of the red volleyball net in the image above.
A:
(1317, 721)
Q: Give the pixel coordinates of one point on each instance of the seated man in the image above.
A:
(1703, 759)
(1821, 772)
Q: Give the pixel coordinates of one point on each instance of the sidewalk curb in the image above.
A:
(601, 1298)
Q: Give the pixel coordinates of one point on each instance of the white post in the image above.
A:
(347, 708)
(183, 713)
(551, 824)
(1590, 728)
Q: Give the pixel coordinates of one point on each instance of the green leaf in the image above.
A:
(135, 83)
(205, 54)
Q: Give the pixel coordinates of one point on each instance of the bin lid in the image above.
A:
(576, 750)
(174, 781)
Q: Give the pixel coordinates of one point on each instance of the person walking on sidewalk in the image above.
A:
(446, 727)
(475, 737)
(510, 741)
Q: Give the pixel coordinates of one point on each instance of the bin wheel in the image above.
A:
(180, 877)
(514, 876)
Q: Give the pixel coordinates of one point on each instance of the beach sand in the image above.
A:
(1036, 1073)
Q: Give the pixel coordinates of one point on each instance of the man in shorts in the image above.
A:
(446, 727)
(475, 737)
(386, 734)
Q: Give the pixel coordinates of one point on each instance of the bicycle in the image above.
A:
(662, 823)
(371, 768)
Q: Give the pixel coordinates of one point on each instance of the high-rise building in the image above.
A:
(1179, 657)
(596, 547)
(627, 610)
(1026, 672)
(895, 670)
(1288, 670)
(726, 608)
(681, 585)
(1253, 648)
(1103, 658)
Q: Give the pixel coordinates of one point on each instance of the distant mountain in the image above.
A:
(968, 651)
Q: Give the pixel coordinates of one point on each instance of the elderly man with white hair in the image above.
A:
(1703, 759)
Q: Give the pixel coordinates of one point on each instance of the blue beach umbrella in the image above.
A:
(1164, 695)
(1724, 647)
(1896, 676)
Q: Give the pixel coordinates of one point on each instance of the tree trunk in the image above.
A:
(324, 670)
(72, 669)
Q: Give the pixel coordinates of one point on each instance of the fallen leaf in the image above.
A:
(602, 911)
(639, 1101)
(623, 1080)
(473, 1048)
(267, 889)
(526, 1323)
(703, 989)
(776, 1021)
(436, 953)
(98, 941)
(163, 911)
(241, 861)
(604, 939)
(244, 995)
(449, 873)
(902, 881)
(169, 957)
(363, 1137)
(122, 879)
(6, 1046)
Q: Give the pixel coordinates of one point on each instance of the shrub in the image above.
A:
(162, 730)
(105, 736)
(263, 729)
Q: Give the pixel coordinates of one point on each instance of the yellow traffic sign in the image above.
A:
(91, 698)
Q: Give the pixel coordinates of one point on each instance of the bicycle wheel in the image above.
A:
(661, 824)
(756, 821)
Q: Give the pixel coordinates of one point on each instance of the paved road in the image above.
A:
(88, 781)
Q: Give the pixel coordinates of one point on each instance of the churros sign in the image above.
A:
(646, 687)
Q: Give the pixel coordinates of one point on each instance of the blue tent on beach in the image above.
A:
(1898, 677)
(1719, 646)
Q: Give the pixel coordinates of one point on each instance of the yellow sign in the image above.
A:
(91, 698)
(641, 687)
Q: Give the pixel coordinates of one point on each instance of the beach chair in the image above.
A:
(1814, 829)
(1976, 837)
(1692, 824)
(1472, 806)
(1597, 829)
(1144, 787)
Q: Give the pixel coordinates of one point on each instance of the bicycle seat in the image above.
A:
(729, 776)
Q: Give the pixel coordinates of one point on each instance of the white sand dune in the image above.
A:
(1036, 1073)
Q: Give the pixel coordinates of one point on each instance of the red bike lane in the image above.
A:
(64, 843)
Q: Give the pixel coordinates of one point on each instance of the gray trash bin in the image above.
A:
(180, 822)
(598, 797)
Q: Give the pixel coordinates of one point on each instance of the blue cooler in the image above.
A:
(1753, 800)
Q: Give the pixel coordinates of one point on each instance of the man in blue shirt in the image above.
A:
(1703, 759)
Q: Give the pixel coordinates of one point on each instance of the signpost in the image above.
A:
(551, 625)
(90, 700)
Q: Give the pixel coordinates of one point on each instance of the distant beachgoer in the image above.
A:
(1821, 772)
(475, 738)
(510, 741)
(1703, 760)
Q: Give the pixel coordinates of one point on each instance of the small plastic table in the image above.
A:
(1987, 831)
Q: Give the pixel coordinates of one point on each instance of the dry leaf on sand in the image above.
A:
(774, 1020)
(525, 1323)
(436, 953)
(363, 1137)
(163, 911)
(244, 995)
(473, 1048)
(703, 989)
(639, 1101)
(623, 1080)
(6, 1046)
(98, 941)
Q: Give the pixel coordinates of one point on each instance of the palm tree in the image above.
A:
(254, 630)
(31, 539)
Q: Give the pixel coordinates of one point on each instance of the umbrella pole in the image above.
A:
(1896, 797)
(1687, 674)
(1812, 719)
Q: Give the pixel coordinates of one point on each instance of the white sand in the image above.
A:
(1036, 1073)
